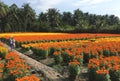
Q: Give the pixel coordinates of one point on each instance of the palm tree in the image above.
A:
(28, 17)
(77, 17)
(67, 18)
(43, 22)
(3, 9)
(53, 17)
(42, 17)
(3, 13)
(13, 18)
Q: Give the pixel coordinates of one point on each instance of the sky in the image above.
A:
(99, 7)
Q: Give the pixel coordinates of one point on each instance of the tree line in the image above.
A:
(24, 19)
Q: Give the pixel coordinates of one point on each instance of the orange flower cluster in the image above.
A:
(105, 64)
(75, 62)
(103, 71)
(15, 64)
(95, 49)
(1, 67)
(28, 78)
(12, 56)
(56, 53)
(64, 36)
(94, 63)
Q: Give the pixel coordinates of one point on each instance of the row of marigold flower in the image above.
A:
(64, 36)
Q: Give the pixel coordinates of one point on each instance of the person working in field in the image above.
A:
(12, 43)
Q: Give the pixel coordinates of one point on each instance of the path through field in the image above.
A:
(48, 71)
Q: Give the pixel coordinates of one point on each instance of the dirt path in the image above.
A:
(48, 71)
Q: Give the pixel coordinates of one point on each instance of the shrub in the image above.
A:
(114, 53)
(80, 60)
(40, 52)
(103, 75)
(92, 74)
(25, 47)
(74, 70)
(51, 51)
(86, 57)
(115, 75)
(66, 58)
(106, 52)
(57, 57)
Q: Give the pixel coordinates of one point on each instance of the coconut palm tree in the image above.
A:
(28, 17)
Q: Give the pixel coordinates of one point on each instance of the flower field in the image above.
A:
(100, 52)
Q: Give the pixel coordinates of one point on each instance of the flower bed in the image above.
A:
(13, 68)
(104, 68)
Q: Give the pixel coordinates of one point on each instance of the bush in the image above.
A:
(106, 52)
(44, 53)
(58, 59)
(74, 70)
(92, 74)
(40, 52)
(86, 57)
(25, 47)
(66, 57)
(103, 77)
(115, 75)
(80, 60)
(51, 51)
(114, 53)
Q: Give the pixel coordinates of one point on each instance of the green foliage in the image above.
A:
(2, 54)
(58, 59)
(103, 77)
(80, 60)
(115, 75)
(65, 28)
(106, 52)
(92, 74)
(40, 52)
(86, 57)
(74, 71)
(66, 57)
(51, 51)
(114, 53)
